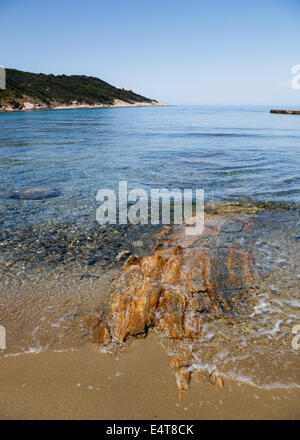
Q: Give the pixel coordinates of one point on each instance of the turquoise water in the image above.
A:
(231, 152)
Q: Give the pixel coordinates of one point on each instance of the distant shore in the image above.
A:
(285, 112)
(28, 106)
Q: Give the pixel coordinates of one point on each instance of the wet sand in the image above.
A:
(136, 383)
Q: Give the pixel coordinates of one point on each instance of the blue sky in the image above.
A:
(179, 52)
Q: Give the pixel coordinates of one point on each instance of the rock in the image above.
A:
(102, 335)
(138, 243)
(92, 322)
(213, 205)
(121, 255)
(179, 284)
(181, 362)
(5, 193)
(35, 193)
(221, 207)
(232, 226)
(183, 284)
(88, 276)
(215, 379)
(132, 260)
(183, 379)
(91, 261)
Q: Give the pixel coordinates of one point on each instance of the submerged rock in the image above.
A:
(185, 283)
(180, 283)
(35, 193)
(5, 193)
(31, 193)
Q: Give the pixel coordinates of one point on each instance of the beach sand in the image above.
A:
(29, 106)
(135, 383)
(117, 103)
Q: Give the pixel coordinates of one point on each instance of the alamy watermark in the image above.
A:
(295, 82)
(136, 207)
(2, 78)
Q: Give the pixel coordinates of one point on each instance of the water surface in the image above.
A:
(231, 152)
(57, 264)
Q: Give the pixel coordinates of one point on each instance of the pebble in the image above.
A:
(232, 226)
(121, 255)
(92, 261)
(87, 276)
(138, 243)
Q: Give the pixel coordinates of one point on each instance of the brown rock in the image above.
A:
(180, 283)
(92, 322)
(183, 379)
(102, 335)
(186, 281)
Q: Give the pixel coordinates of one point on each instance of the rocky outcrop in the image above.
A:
(185, 283)
(30, 193)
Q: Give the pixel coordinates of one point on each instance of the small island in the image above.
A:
(38, 91)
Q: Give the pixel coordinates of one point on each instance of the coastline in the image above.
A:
(285, 112)
(83, 383)
(27, 106)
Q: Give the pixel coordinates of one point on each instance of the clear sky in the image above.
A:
(178, 52)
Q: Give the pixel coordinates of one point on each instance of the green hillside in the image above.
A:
(52, 90)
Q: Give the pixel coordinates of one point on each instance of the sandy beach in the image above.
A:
(28, 106)
(134, 384)
(117, 103)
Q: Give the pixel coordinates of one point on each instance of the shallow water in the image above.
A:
(231, 152)
(63, 263)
